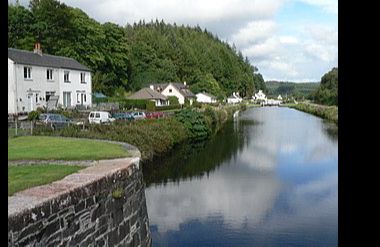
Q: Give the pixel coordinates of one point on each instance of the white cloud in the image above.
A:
(254, 32)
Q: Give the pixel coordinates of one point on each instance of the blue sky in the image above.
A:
(290, 40)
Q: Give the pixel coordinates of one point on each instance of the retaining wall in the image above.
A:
(101, 205)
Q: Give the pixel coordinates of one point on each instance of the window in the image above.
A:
(97, 115)
(49, 74)
(170, 90)
(78, 98)
(36, 97)
(66, 76)
(66, 99)
(48, 94)
(27, 73)
(83, 77)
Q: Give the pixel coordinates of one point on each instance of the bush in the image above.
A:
(33, 115)
(150, 105)
(132, 103)
(173, 100)
(167, 107)
(195, 124)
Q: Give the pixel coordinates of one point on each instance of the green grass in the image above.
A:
(55, 148)
(326, 112)
(23, 177)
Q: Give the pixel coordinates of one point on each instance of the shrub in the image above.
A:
(195, 124)
(150, 105)
(33, 115)
(173, 100)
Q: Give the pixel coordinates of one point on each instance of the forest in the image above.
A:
(127, 58)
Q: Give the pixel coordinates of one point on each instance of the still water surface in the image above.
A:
(269, 178)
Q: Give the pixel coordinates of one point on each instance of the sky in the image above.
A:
(287, 40)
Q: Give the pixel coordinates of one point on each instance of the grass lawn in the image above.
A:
(55, 148)
(23, 177)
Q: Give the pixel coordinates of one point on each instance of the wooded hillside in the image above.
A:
(130, 57)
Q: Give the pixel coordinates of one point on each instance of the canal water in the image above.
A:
(269, 178)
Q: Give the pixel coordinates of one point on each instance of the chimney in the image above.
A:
(184, 83)
(151, 87)
(37, 49)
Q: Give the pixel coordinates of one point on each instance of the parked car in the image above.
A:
(55, 121)
(100, 117)
(123, 116)
(139, 115)
(154, 114)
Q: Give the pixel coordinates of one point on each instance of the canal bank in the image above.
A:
(329, 113)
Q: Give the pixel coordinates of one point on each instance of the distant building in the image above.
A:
(149, 94)
(260, 96)
(234, 98)
(180, 90)
(279, 98)
(205, 98)
(35, 78)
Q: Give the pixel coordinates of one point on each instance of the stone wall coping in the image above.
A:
(36, 196)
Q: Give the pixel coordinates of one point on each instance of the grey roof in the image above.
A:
(147, 93)
(183, 89)
(31, 58)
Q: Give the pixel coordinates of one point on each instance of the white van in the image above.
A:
(100, 117)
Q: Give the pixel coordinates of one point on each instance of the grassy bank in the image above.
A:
(53, 148)
(154, 137)
(326, 112)
(23, 177)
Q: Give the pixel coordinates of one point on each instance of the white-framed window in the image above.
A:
(27, 72)
(82, 77)
(66, 76)
(66, 99)
(49, 74)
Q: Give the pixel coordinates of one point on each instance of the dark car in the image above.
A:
(55, 121)
(123, 116)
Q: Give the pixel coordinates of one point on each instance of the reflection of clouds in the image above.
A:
(312, 204)
(247, 198)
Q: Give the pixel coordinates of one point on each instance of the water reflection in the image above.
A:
(270, 178)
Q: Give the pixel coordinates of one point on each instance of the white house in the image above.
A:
(234, 99)
(279, 97)
(205, 98)
(181, 91)
(149, 94)
(33, 78)
(260, 96)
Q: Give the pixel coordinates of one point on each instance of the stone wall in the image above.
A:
(102, 205)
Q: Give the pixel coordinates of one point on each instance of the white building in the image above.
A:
(205, 98)
(34, 77)
(279, 97)
(234, 99)
(181, 91)
(260, 96)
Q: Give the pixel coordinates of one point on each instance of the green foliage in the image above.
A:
(327, 93)
(327, 112)
(150, 105)
(33, 115)
(195, 124)
(117, 193)
(173, 100)
(167, 107)
(291, 89)
(133, 56)
(133, 103)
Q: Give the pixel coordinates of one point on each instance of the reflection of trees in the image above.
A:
(331, 131)
(195, 159)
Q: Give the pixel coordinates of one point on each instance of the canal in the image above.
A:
(268, 178)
